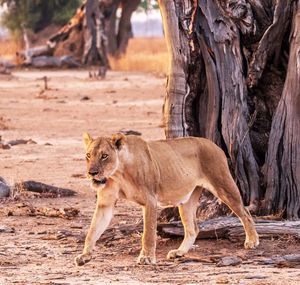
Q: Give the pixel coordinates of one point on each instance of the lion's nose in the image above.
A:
(93, 173)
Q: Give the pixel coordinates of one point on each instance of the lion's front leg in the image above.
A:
(147, 254)
(106, 199)
(101, 219)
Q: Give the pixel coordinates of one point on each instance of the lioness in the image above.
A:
(168, 173)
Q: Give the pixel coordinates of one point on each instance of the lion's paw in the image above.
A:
(146, 260)
(175, 253)
(250, 244)
(82, 259)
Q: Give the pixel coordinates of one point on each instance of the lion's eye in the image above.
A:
(88, 156)
(104, 156)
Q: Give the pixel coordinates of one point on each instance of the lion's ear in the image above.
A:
(118, 140)
(87, 139)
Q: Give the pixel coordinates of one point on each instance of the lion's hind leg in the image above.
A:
(228, 193)
(187, 213)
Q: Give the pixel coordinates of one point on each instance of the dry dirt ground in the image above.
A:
(36, 249)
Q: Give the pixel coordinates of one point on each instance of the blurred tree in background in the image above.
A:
(149, 4)
(37, 14)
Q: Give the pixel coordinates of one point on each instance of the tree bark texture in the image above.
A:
(282, 167)
(177, 88)
(228, 70)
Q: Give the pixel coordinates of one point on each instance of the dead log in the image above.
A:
(42, 188)
(231, 228)
(27, 54)
(54, 61)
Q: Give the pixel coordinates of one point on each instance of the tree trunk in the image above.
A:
(228, 62)
(282, 167)
(125, 30)
(112, 28)
(119, 32)
(177, 88)
(94, 38)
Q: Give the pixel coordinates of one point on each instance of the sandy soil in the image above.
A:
(41, 250)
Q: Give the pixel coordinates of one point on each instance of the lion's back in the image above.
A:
(188, 154)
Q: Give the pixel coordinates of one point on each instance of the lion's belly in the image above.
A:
(175, 192)
(166, 202)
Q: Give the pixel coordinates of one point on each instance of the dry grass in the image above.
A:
(143, 54)
(8, 49)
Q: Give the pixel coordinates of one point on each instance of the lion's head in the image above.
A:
(102, 157)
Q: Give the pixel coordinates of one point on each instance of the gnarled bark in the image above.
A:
(282, 168)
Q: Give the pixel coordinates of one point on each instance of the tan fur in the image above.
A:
(168, 173)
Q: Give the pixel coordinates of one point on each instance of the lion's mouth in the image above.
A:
(99, 182)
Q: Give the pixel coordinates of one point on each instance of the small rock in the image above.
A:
(4, 189)
(229, 261)
(85, 98)
(222, 280)
(4, 229)
(4, 146)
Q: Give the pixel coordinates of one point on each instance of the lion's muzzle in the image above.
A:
(100, 181)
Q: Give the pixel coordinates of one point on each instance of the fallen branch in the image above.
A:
(20, 141)
(39, 187)
(29, 53)
(231, 228)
